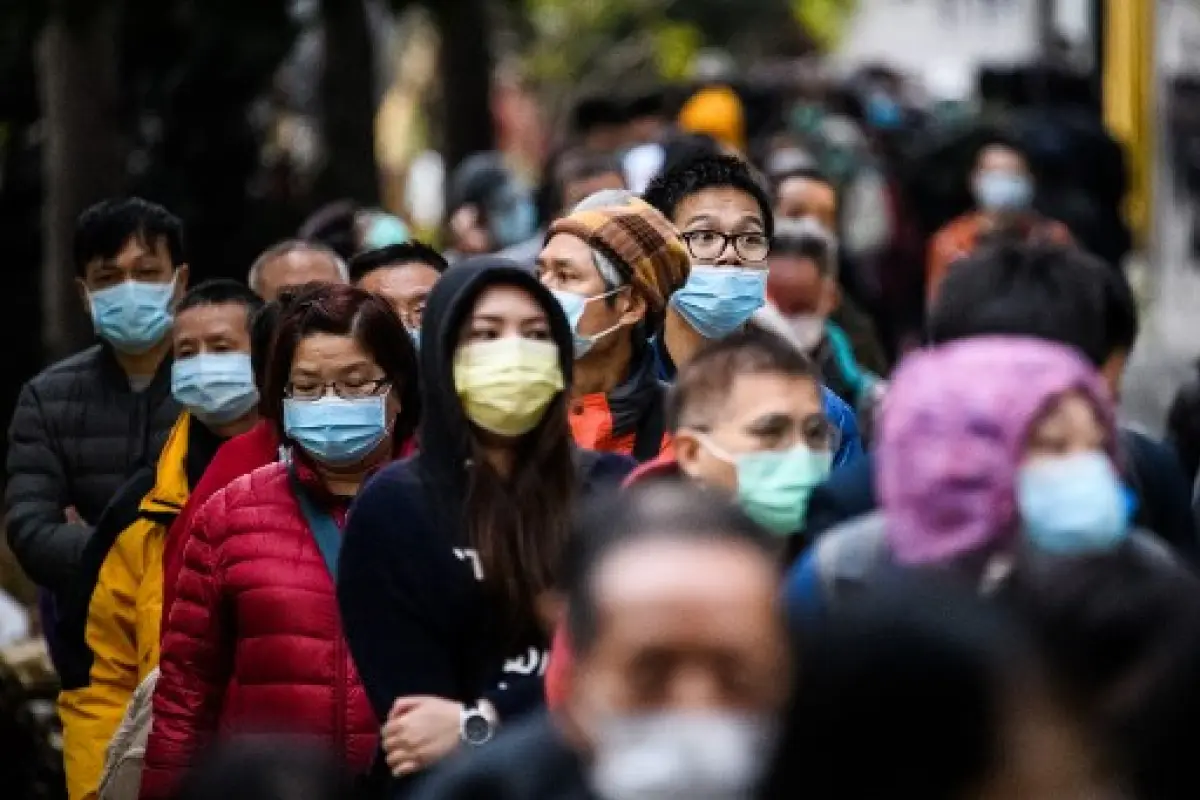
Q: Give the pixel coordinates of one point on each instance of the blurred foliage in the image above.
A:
(824, 20)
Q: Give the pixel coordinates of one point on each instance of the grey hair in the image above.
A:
(605, 198)
(287, 247)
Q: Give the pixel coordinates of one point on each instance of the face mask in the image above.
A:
(133, 316)
(514, 223)
(808, 331)
(1003, 191)
(217, 388)
(774, 486)
(505, 385)
(1073, 504)
(716, 301)
(573, 305)
(336, 431)
(385, 230)
(678, 756)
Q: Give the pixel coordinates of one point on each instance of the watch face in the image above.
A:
(476, 729)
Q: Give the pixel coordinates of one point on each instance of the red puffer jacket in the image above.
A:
(254, 642)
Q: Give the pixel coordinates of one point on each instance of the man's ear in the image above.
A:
(181, 283)
(635, 308)
(687, 451)
(81, 287)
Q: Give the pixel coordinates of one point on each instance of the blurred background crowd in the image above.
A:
(892, 138)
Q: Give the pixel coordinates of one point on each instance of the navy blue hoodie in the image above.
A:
(415, 614)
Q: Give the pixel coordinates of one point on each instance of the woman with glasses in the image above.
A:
(253, 642)
(747, 421)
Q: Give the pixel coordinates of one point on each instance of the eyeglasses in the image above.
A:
(709, 245)
(346, 390)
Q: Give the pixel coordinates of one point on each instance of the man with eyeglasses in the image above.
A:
(748, 422)
(723, 212)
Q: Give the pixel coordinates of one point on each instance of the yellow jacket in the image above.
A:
(121, 584)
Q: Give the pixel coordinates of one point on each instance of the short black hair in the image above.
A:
(1045, 291)
(1120, 312)
(103, 229)
(581, 165)
(367, 262)
(648, 103)
(220, 291)
(660, 510)
(669, 189)
(710, 375)
(682, 148)
(591, 113)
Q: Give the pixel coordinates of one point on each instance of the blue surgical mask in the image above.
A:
(217, 388)
(514, 222)
(133, 316)
(1003, 191)
(385, 230)
(336, 431)
(573, 305)
(716, 301)
(1073, 504)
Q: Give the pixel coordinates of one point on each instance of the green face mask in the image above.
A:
(774, 486)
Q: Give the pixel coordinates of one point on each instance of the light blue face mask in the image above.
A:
(385, 230)
(1073, 505)
(336, 431)
(1003, 191)
(217, 388)
(514, 221)
(573, 305)
(133, 316)
(716, 301)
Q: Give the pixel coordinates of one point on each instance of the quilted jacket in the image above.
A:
(78, 433)
(254, 640)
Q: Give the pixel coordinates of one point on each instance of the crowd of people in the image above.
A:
(624, 494)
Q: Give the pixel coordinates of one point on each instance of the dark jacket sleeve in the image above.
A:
(1183, 427)
(1164, 494)
(849, 493)
(396, 620)
(47, 547)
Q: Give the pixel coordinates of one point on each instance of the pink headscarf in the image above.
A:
(954, 426)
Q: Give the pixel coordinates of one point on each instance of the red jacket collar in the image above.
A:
(665, 466)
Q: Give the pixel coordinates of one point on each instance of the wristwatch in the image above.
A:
(475, 727)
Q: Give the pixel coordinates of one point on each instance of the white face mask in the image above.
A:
(808, 330)
(681, 756)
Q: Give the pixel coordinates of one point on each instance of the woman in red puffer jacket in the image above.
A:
(254, 642)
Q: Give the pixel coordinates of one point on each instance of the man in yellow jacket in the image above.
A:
(112, 619)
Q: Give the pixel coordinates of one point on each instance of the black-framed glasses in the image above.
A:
(347, 390)
(709, 245)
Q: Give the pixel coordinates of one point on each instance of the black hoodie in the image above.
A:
(415, 616)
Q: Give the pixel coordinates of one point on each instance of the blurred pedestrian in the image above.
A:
(348, 229)
(84, 424)
(402, 274)
(1003, 187)
(716, 111)
(110, 621)
(450, 557)
(294, 263)
(680, 672)
(613, 270)
(489, 209)
(919, 656)
(31, 767)
(253, 641)
(989, 448)
(724, 214)
(1061, 295)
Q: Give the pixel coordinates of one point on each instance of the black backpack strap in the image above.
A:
(648, 436)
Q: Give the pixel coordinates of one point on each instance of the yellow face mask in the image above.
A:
(506, 384)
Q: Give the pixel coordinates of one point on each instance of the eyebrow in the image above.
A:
(773, 420)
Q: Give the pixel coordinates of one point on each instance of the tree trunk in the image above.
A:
(348, 104)
(465, 60)
(83, 163)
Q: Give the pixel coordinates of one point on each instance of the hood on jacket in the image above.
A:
(444, 432)
(954, 426)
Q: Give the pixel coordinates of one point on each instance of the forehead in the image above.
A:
(754, 394)
(563, 247)
(329, 350)
(725, 204)
(998, 156)
(208, 320)
(707, 579)
(407, 276)
(506, 301)
(137, 246)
